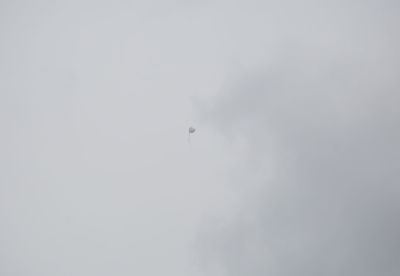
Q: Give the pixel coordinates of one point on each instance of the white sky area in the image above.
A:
(97, 176)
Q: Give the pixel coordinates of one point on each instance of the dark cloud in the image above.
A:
(320, 184)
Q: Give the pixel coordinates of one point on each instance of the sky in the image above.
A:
(293, 169)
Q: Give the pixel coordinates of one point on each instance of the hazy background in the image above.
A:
(293, 170)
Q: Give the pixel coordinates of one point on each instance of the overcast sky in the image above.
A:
(294, 168)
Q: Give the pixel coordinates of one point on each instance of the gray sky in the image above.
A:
(316, 135)
(293, 168)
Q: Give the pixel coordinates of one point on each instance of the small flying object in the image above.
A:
(191, 131)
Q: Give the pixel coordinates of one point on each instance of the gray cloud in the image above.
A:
(97, 177)
(318, 167)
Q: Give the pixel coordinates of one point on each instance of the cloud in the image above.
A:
(318, 165)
